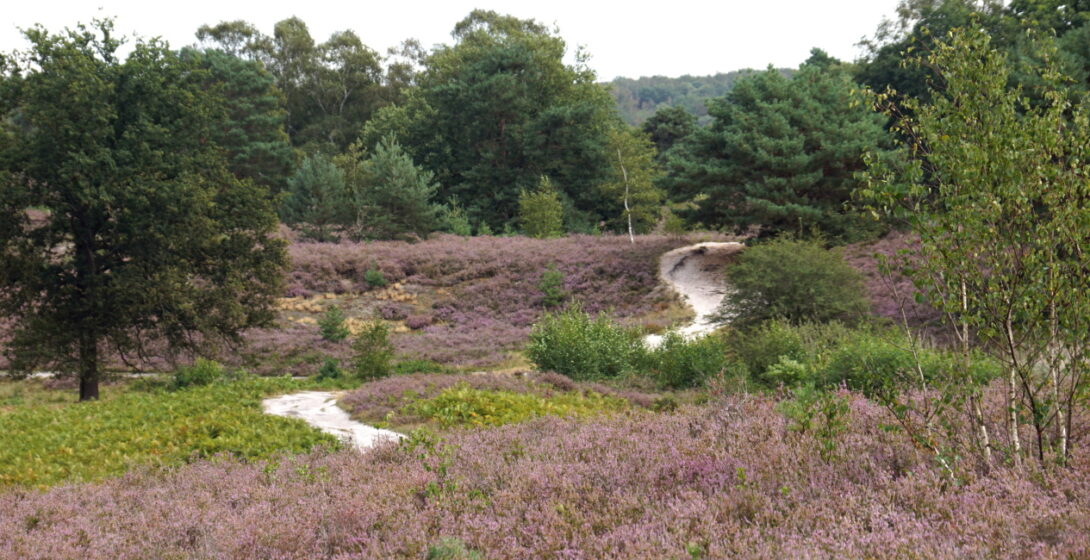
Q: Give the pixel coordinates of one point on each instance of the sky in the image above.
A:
(628, 39)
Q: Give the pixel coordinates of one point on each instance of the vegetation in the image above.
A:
(148, 427)
(781, 154)
(795, 280)
(540, 212)
(146, 234)
(462, 405)
(580, 346)
(372, 352)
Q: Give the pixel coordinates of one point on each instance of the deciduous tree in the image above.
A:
(146, 235)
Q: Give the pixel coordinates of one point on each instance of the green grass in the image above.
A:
(43, 443)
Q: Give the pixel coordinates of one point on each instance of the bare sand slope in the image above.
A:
(319, 409)
(695, 272)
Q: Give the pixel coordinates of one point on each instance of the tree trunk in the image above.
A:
(627, 210)
(88, 367)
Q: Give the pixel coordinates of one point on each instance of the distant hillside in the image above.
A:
(637, 99)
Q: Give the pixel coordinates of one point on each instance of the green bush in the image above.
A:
(799, 281)
(583, 347)
(680, 363)
(374, 277)
(202, 372)
(540, 211)
(329, 370)
(372, 352)
(331, 325)
(552, 287)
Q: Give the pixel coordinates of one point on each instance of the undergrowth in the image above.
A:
(46, 445)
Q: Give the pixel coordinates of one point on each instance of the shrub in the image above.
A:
(794, 280)
(772, 344)
(331, 325)
(202, 372)
(583, 347)
(372, 352)
(374, 277)
(329, 369)
(393, 311)
(552, 287)
(541, 212)
(417, 322)
(680, 363)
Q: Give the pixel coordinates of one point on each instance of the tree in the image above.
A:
(540, 211)
(781, 154)
(146, 235)
(392, 197)
(498, 109)
(330, 89)
(1000, 201)
(667, 127)
(253, 133)
(318, 199)
(632, 184)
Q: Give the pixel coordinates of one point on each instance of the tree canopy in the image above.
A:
(146, 234)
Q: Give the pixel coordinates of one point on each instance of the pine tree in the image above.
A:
(540, 211)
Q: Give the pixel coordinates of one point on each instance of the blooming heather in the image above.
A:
(728, 480)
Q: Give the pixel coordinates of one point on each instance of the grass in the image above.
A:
(44, 442)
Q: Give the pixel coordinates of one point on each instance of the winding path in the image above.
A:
(695, 272)
(319, 409)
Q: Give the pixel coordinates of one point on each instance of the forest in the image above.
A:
(835, 310)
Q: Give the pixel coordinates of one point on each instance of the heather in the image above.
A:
(734, 479)
(460, 301)
(44, 443)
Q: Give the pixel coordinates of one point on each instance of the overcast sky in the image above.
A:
(629, 39)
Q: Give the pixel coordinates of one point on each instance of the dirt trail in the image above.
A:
(695, 272)
(319, 409)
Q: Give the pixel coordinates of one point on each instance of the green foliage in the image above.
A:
(672, 224)
(202, 372)
(462, 405)
(374, 277)
(391, 196)
(317, 199)
(581, 347)
(642, 99)
(552, 287)
(89, 441)
(781, 154)
(795, 280)
(668, 126)
(997, 197)
(454, 219)
(452, 549)
(372, 352)
(331, 325)
(329, 370)
(407, 367)
(498, 109)
(329, 88)
(540, 212)
(679, 363)
(253, 133)
(822, 414)
(631, 188)
(148, 236)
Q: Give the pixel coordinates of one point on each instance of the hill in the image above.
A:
(639, 98)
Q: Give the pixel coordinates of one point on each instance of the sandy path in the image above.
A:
(695, 272)
(319, 409)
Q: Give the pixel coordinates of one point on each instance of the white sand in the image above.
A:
(319, 409)
(695, 272)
